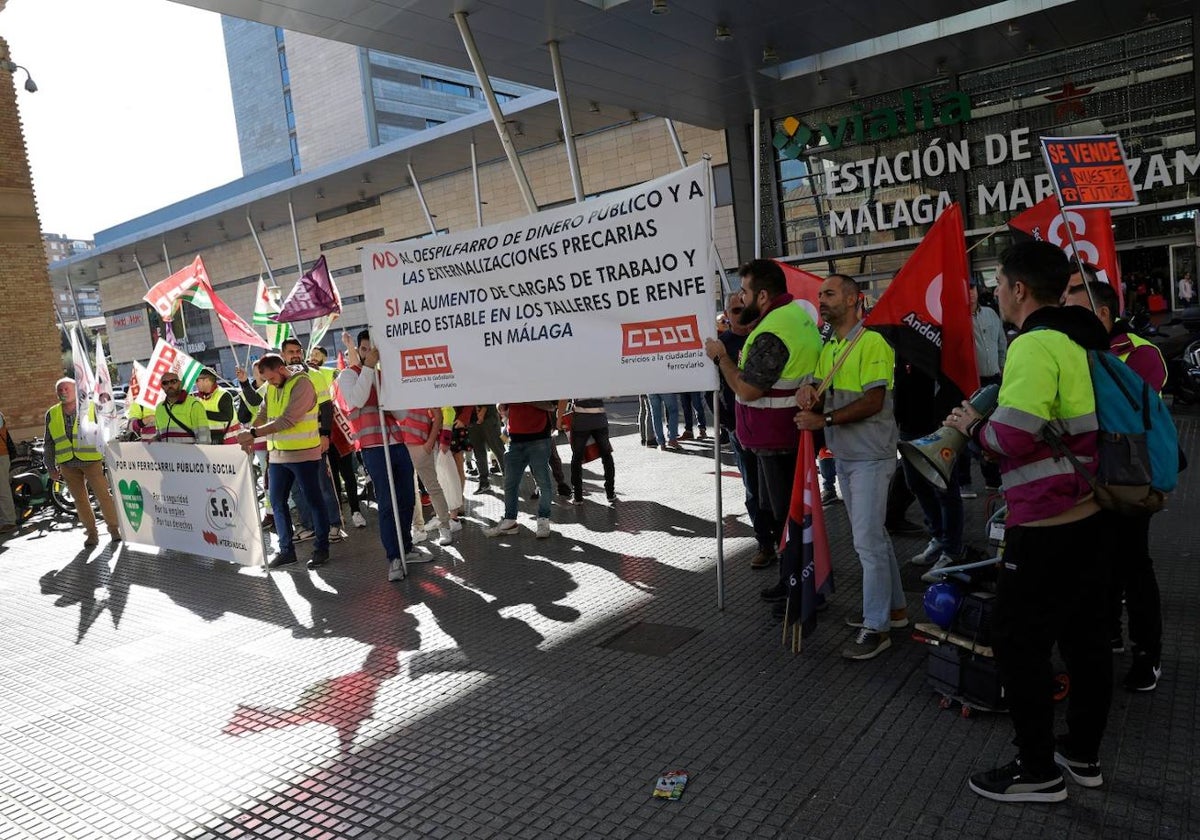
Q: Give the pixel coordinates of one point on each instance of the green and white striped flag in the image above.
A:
(266, 304)
(197, 297)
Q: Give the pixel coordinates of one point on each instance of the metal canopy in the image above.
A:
(196, 224)
(672, 65)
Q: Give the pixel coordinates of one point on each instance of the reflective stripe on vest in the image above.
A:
(415, 425)
(364, 422)
(768, 422)
(305, 434)
(67, 447)
(221, 432)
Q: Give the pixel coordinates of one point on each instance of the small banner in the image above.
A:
(1089, 171)
(165, 358)
(196, 499)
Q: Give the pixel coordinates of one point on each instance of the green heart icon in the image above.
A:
(131, 499)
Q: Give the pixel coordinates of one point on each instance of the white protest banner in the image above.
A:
(613, 296)
(195, 499)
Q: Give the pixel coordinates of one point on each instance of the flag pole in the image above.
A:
(1087, 285)
(995, 230)
(716, 410)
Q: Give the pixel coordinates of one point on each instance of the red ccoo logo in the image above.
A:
(663, 335)
(424, 361)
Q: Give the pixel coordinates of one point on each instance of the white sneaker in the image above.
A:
(504, 526)
(419, 534)
(445, 537)
(433, 524)
(455, 525)
(418, 556)
(543, 528)
(396, 570)
(928, 554)
(358, 519)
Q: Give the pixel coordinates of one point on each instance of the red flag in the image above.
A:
(805, 288)
(165, 295)
(1092, 229)
(804, 549)
(236, 329)
(313, 295)
(925, 313)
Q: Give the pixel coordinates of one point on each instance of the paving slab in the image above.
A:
(159, 695)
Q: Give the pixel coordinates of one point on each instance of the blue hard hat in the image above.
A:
(942, 601)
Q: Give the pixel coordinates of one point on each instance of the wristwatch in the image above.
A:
(829, 419)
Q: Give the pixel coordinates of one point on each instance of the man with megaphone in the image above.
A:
(1053, 582)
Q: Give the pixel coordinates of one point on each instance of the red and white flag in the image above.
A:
(165, 295)
(925, 314)
(1091, 229)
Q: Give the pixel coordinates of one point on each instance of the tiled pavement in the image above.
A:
(147, 696)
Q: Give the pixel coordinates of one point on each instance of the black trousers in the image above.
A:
(1054, 587)
(344, 479)
(579, 442)
(485, 435)
(1133, 579)
(776, 475)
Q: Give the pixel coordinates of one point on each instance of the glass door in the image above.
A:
(1183, 276)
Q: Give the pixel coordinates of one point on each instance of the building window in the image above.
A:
(445, 86)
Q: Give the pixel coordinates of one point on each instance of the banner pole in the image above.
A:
(475, 182)
(716, 406)
(387, 459)
(412, 176)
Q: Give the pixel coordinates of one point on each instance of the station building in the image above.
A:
(835, 135)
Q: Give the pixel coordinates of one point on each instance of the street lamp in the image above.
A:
(12, 67)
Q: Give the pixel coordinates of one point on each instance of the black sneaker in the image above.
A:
(319, 558)
(1013, 783)
(565, 490)
(282, 559)
(829, 497)
(1086, 773)
(867, 644)
(771, 594)
(483, 487)
(1143, 675)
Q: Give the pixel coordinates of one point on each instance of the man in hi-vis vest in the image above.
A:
(223, 425)
(80, 465)
(288, 416)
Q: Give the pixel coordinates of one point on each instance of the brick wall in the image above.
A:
(33, 360)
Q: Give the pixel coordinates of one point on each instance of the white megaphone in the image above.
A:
(933, 456)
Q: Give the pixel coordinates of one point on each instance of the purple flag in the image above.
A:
(313, 295)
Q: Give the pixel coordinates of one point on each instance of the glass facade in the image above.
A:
(859, 177)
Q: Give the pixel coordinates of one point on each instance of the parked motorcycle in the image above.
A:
(33, 488)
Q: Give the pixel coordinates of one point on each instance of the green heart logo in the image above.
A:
(131, 499)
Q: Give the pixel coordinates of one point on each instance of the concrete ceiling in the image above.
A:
(671, 65)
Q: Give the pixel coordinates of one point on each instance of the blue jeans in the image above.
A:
(693, 407)
(865, 490)
(943, 509)
(375, 460)
(534, 454)
(333, 506)
(669, 403)
(282, 477)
